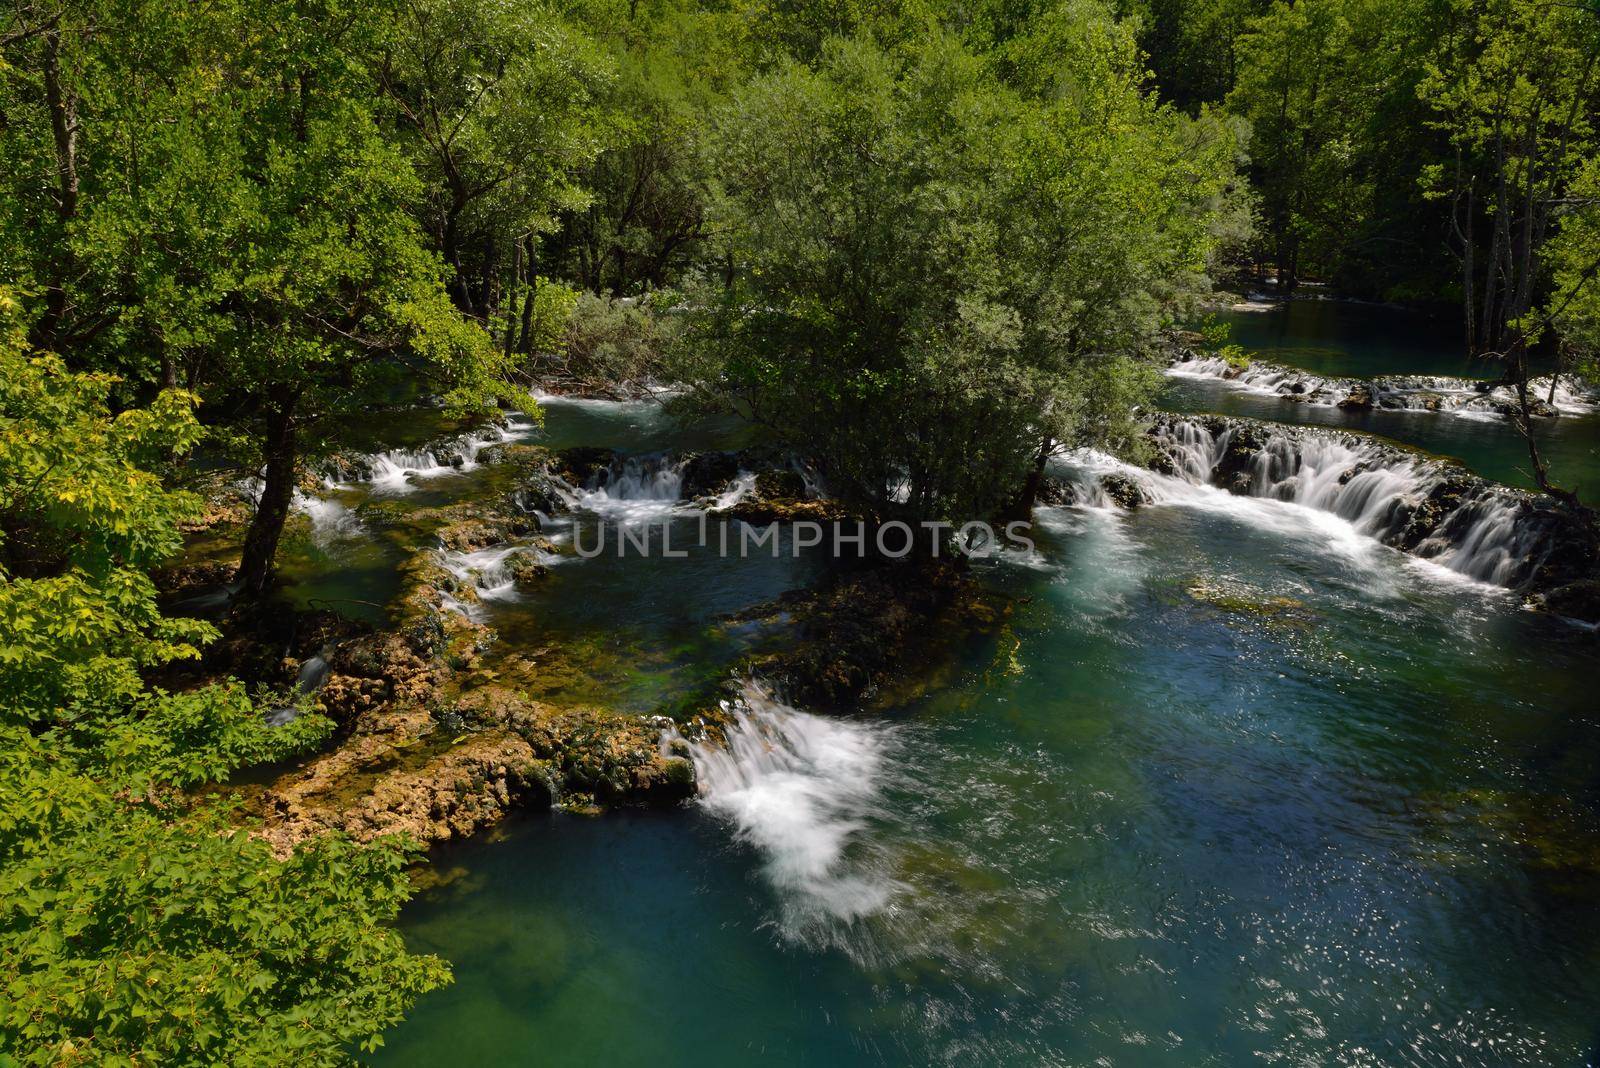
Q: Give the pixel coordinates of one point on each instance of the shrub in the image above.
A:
(612, 342)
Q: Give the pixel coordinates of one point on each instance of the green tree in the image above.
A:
(938, 277)
(239, 223)
(1293, 86)
(138, 925)
(502, 106)
(1514, 87)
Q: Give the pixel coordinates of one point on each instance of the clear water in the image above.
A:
(1236, 785)
(1352, 338)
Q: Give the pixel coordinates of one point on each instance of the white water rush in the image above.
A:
(805, 792)
(633, 489)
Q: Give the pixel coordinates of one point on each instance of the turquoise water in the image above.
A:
(1236, 785)
(1145, 828)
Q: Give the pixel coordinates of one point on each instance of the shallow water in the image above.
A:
(1155, 825)
(1236, 784)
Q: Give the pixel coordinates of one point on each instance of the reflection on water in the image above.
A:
(1352, 339)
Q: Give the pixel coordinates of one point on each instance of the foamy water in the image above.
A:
(804, 791)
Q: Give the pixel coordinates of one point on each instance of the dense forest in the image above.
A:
(927, 243)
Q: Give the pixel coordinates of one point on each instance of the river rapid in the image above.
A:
(1236, 784)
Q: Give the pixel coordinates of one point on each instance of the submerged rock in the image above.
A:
(868, 634)
(1241, 600)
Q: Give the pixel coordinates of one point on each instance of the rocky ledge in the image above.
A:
(1422, 504)
(1426, 393)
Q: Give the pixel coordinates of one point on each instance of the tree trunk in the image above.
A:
(513, 293)
(1021, 506)
(63, 108)
(530, 274)
(450, 249)
(278, 478)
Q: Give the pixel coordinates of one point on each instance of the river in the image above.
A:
(1237, 784)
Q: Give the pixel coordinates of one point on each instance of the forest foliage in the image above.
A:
(925, 243)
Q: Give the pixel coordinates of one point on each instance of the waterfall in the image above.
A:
(397, 470)
(633, 488)
(1484, 540)
(308, 680)
(1258, 377)
(330, 519)
(1421, 393)
(804, 792)
(1333, 476)
(1195, 450)
(1431, 508)
(741, 487)
(485, 570)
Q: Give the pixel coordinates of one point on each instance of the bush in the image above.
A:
(613, 342)
(552, 310)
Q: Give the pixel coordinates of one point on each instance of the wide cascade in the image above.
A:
(1431, 508)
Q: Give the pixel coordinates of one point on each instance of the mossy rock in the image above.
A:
(780, 484)
(526, 570)
(582, 463)
(1123, 490)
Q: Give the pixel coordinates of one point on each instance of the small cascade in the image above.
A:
(308, 680)
(1431, 508)
(487, 571)
(398, 470)
(742, 486)
(632, 488)
(489, 574)
(1194, 449)
(1332, 475)
(1258, 377)
(1487, 539)
(804, 791)
(1418, 393)
(330, 519)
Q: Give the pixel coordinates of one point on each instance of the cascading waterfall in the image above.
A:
(1477, 529)
(633, 488)
(397, 470)
(1196, 451)
(1332, 476)
(485, 570)
(308, 680)
(741, 487)
(330, 519)
(1257, 377)
(805, 792)
(1484, 540)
